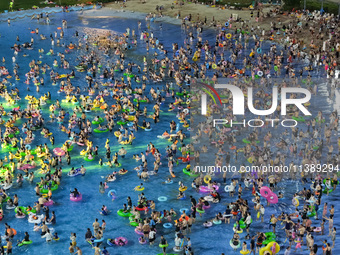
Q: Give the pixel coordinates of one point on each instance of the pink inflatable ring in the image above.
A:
(121, 241)
(76, 199)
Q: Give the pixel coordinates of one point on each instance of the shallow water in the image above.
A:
(76, 217)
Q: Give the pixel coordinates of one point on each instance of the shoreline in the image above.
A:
(215, 17)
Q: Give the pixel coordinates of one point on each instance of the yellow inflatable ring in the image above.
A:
(183, 189)
(228, 36)
(139, 188)
(238, 231)
(214, 66)
(269, 248)
(207, 179)
(83, 152)
(245, 252)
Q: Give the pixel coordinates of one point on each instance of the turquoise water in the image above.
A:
(76, 217)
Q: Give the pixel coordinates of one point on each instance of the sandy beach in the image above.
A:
(196, 10)
(247, 18)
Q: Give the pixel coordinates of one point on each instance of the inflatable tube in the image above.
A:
(205, 189)
(273, 199)
(269, 248)
(237, 231)
(295, 202)
(259, 50)
(299, 119)
(134, 224)
(265, 191)
(109, 242)
(163, 245)
(76, 173)
(124, 214)
(122, 122)
(53, 188)
(121, 241)
(138, 231)
(245, 252)
(87, 158)
(25, 243)
(139, 240)
(99, 240)
(217, 222)
(59, 151)
(162, 199)
(167, 225)
(207, 179)
(178, 250)
(49, 203)
(24, 210)
(38, 219)
(208, 224)
(112, 194)
(227, 188)
(185, 171)
(76, 199)
(139, 188)
(186, 210)
(96, 130)
(99, 121)
(142, 208)
(235, 246)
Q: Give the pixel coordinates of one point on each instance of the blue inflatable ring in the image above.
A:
(227, 24)
(109, 193)
(167, 225)
(186, 210)
(162, 199)
(259, 50)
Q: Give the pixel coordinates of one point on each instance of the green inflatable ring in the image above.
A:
(311, 214)
(23, 209)
(134, 224)
(96, 130)
(124, 214)
(299, 119)
(122, 122)
(141, 101)
(100, 120)
(200, 211)
(163, 245)
(322, 121)
(185, 171)
(87, 159)
(326, 189)
(53, 188)
(25, 243)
